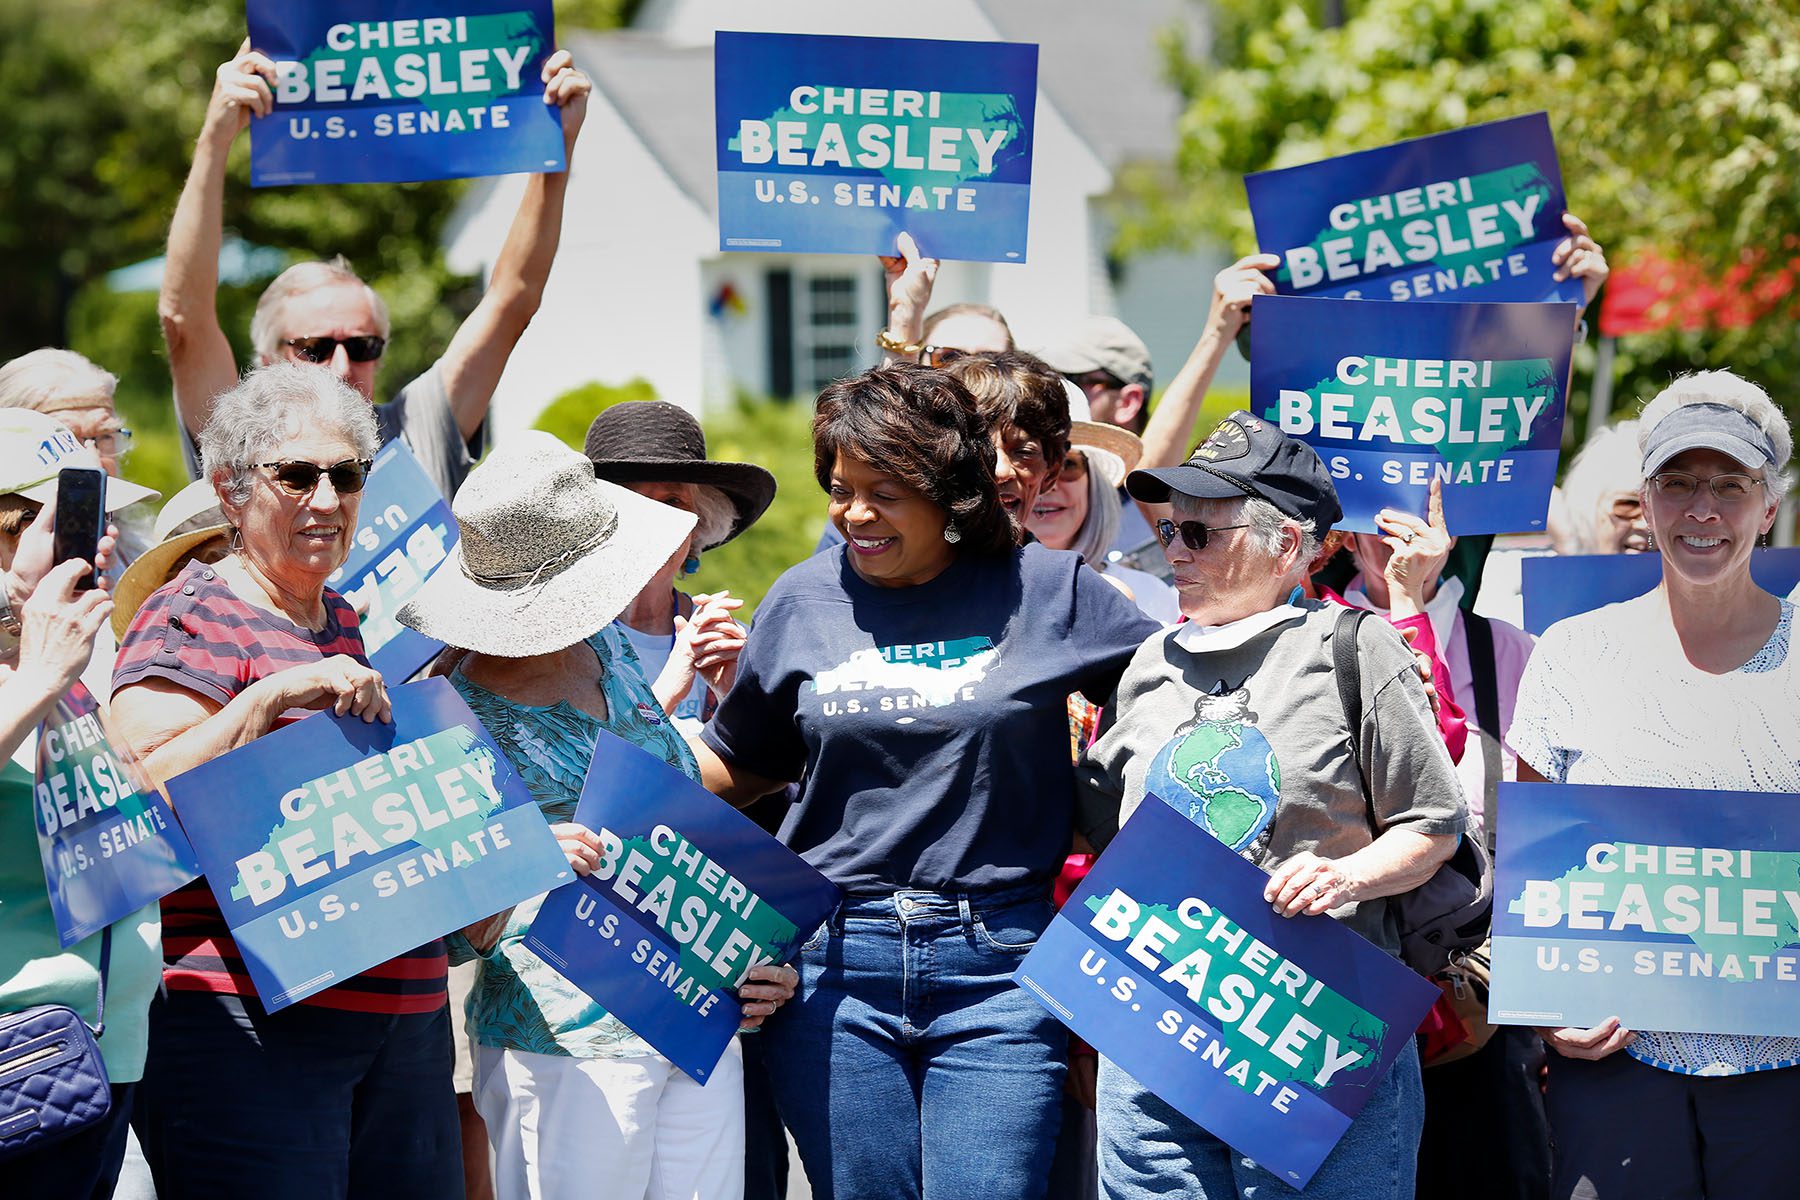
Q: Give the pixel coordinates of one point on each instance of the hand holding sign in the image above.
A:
(241, 90)
(910, 280)
(1418, 551)
(1579, 256)
(567, 89)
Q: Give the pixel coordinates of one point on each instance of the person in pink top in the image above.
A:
(1492, 1095)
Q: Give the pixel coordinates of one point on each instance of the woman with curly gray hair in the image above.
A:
(347, 1093)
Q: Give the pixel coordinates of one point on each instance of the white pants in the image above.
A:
(611, 1128)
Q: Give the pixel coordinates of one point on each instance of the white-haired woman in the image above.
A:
(1602, 505)
(348, 1092)
(688, 645)
(1255, 659)
(1694, 685)
(1080, 512)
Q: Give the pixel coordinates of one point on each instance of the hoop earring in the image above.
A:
(952, 534)
(236, 545)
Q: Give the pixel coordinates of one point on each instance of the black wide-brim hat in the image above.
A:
(653, 441)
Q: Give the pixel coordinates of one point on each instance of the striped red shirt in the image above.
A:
(197, 633)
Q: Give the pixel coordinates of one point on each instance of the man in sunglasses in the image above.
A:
(323, 313)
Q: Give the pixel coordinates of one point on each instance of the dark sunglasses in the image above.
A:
(1193, 533)
(939, 356)
(298, 477)
(365, 347)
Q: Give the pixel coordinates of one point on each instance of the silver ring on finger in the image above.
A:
(1407, 538)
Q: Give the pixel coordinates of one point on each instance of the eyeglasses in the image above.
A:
(1194, 534)
(1074, 468)
(298, 477)
(365, 347)
(1732, 488)
(109, 443)
(939, 356)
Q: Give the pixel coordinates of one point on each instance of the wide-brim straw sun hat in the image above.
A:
(653, 441)
(150, 570)
(548, 554)
(1123, 448)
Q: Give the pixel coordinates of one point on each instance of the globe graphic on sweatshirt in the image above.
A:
(1220, 772)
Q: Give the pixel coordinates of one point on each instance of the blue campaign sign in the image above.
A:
(334, 845)
(836, 145)
(689, 896)
(1668, 909)
(109, 842)
(1394, 395)
(390, 91)
(1473, 214)
(1268, 1031)
(404, 532)
(1566, 585)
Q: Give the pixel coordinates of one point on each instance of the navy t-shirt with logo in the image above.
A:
(928, 724)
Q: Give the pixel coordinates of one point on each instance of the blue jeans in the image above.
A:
(909, 1065)
(1148, 1149)
(302, 1104)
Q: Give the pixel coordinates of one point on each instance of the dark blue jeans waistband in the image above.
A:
(921, 903)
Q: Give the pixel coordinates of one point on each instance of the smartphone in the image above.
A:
(80, 517)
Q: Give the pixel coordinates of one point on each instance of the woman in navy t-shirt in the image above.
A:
(913, 682)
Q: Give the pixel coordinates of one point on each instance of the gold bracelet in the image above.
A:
(893, 345)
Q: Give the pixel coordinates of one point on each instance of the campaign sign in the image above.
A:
(109, 842)
(333, 845)
(1668, 909)
(688, 897)
(1473, 214)
(835, 145)
(1269, 1031)
(404, 532)
(1395, 395)
(389, 91)
(1566, 585)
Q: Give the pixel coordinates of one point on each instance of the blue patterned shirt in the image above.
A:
(518, 1002)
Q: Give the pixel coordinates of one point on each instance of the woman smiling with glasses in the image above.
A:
(348, 1092)
(1706, 667)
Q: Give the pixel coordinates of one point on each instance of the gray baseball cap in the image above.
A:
(1099, 344)
(1708, 426)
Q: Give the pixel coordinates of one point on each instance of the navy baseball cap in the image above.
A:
(1247, 456)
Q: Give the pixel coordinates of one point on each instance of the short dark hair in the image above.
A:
(921, 427)
(1021, 390)
(966, 310)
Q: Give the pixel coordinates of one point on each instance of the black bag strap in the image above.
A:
(99, 1025)
(1348, 669)
(1484, 674)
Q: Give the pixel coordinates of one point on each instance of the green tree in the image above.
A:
(1677, 123)
(103, 102)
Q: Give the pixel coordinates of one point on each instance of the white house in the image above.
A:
(640, 287)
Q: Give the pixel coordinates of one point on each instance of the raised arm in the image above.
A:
(472, 366)
(910, 278)
(199, 354)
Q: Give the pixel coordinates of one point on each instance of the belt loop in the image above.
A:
(963, 910)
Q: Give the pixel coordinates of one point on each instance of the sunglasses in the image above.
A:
(365, 347)
(939, 356)
(1194, 534)
(298, 477)
(1074, 468)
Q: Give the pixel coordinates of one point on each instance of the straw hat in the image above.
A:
(653, 441)
(1119, 450)
(548, 555)
(189, 520)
